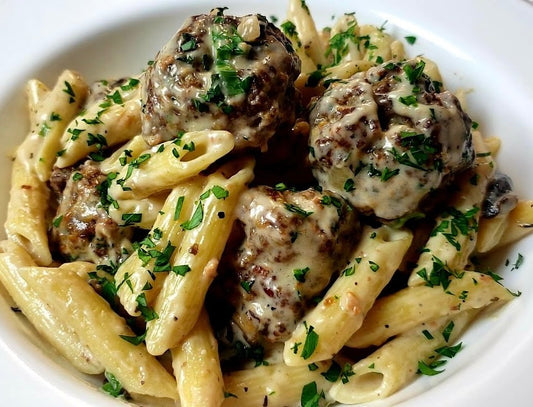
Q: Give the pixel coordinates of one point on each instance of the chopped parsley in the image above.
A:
(449, 351)
(57, 221)
(55, 117)
(373, 266)
(219, 192)
(132, 83)
(349, 185)
(411, 39)
(131, 218)
(448, 331)
(456, 223)
(247, 286)
(146, 311)
(335, 372)
(179, 206)
(413, 74)
(77, 176)
(299, 274)
(196, 218)
(311, 342)
(44, 130)
(69, 91)
(427, 334)
(296, 209)
(310, 396)
(289, 29)
(181, 270)
(431, 369)
(134, 340)
(339, 44)
(409, 100)
(112, 386)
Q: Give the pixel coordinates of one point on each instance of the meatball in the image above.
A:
(82, 228)
(384, 139)
(222, 73)
(294, 242)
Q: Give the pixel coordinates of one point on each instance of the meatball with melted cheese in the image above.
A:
(82, 229)
(294, 242)
(386, 138)
(222, 73)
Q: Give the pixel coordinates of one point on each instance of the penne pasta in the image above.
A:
(26, 222)
(275, 385)
(196, 366)
(60, 335)
(143, 273)
(183, 293)
(344, 307)
(74, 301)
(396, 363)
(500, 231)
(50, 112)
(453, 239)
(411, 306)
(163, 166)
(107, 122)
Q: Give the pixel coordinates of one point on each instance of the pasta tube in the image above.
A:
(50, 112)
(74, 302)
(106, 122)
(395, 364)
(326, 328)
(26, 222)
(39, 313)
(197, 367)
(144, 271)
(163, 167)
(453, 239)
(182, 296)
(412, 306)
(275, 385)
(308, 41)
(503, 230)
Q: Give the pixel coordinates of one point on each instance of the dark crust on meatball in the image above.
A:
(383, 152)
(83, 230)
(277, 239)
(176, 86)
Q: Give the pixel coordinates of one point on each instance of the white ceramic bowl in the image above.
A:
(481, 46)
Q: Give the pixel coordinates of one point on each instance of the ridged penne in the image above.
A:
(105, 123)
(396, 363)
(167, 164)
(275, 385)
(197, 369)
(453, 239)
(50, 112)
(411, 306)
(26, 221)
(183, 293)
(342, 310)
(72, 300)
(61, 335)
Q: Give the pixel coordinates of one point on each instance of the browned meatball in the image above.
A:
(384, 139)
(224, 73)
(294, 242)
(82, 228)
